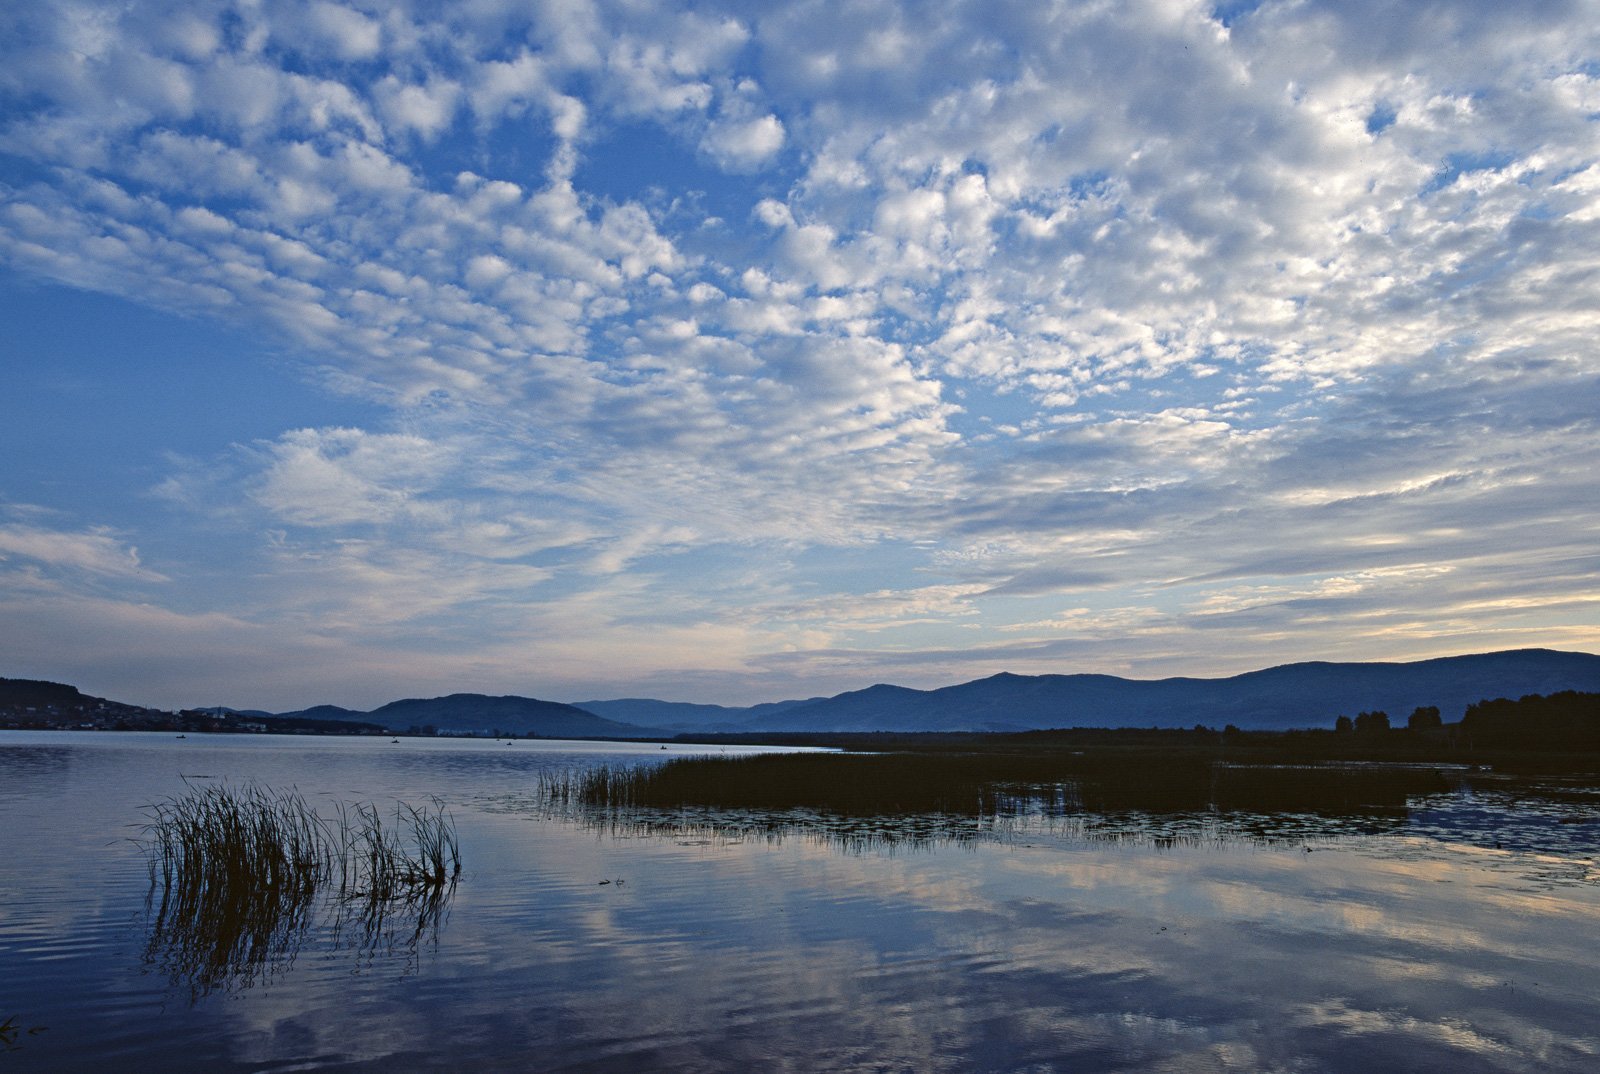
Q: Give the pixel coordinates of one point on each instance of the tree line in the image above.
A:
(1569, 720)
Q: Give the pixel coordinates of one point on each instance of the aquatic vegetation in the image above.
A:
(988, 784)
(916, 800)
(219, 838)
(12, 1032)
(238, 876)
(253, 843)
(417, 853)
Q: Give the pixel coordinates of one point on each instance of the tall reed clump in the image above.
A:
(415, 854)
(845, 783)
(978, 784)
(239, 843)
(239, 871)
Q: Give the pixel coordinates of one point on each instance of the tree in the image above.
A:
(1343, 726)
(1372, 723)
(1568, 721)
(1424, 718)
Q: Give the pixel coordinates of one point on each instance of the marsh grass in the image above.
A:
(237, 876)
(858, 803)
(239, 844)
(380, 861)
(991, 784)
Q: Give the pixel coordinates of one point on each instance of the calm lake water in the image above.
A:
(1462, 937)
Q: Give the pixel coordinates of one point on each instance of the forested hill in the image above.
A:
(484, 714)
(1312, 694)
(36, 703)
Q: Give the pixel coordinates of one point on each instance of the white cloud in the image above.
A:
(424, 108)
(351, 34)
(1197, 313)
(744, 144)
(90, 553)
(330, 477)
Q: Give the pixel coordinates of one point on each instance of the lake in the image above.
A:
(1459, 936)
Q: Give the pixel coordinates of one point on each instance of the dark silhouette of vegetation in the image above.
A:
(1536, 733)
(238, 875)
(1363, 764)
(1424, 718)
(12, 1033)
(1372, 723)
(1565, 721)
(994, 783)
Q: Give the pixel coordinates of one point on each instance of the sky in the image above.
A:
(731, 352)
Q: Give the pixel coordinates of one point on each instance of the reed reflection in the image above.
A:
(917, 832)
(978, 784)
(905, 800)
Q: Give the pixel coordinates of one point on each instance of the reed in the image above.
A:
(987, 784)
(236, 874)
(241, 842)
(418, 852)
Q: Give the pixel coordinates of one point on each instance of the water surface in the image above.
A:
(1458, 937)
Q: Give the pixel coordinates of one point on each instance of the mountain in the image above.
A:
(464, 713)
(223, 710)
(321, 712)
(1291, 695)
(36, 703)
(1288, 696)
(683, 715)
(481, 714)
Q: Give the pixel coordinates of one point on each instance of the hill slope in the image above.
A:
(683, 715)
(321, 712)
(36, 703)
(512, 715)
(1292, 695)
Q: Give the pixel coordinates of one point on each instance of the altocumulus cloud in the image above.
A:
(729, 349)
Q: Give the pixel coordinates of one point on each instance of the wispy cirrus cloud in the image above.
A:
(96, 554)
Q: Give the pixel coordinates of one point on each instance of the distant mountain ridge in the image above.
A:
(483, 714)
(323, 712)
(685, 715)
(1311, 694)
(1291, 695)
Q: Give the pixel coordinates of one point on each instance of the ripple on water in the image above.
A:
(805, 942)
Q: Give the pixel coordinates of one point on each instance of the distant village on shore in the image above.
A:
(30, 704)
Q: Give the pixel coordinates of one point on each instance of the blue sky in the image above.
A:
(732, 352)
